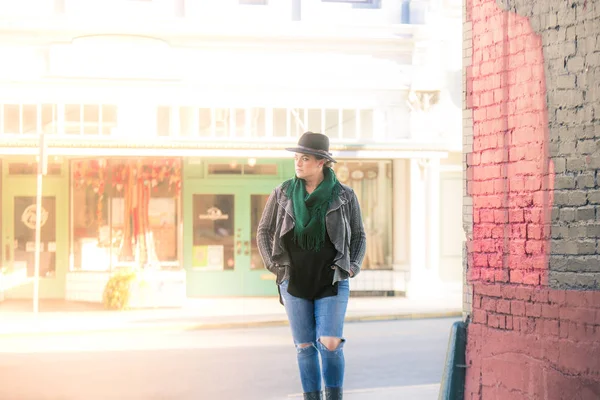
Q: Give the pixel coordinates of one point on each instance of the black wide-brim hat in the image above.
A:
(316, 144)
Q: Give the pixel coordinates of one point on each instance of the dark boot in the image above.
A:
(333, 393)
(313, 396)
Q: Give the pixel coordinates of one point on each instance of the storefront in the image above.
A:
(18, 229)
(189, 223)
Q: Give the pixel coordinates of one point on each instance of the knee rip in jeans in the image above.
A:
(305, 348)
(330, 343)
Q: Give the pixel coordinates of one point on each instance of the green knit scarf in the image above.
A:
(310, 209)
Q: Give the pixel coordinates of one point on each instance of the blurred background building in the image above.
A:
(165, 123)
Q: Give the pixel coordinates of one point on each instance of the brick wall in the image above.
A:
(532, 198)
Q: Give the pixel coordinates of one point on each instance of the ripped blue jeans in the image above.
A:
(311, 320)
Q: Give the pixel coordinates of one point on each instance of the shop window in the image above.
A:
(372, 183)
(214, 237)
(125, 212)
(24, 226)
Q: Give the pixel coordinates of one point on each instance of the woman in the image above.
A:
(311, 237)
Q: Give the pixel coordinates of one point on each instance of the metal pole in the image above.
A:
(38, 223)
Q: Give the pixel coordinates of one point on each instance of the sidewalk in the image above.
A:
(61, 317)
(417, 392)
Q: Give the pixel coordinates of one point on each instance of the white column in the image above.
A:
(433, 215)
(424, 279)
(401, 222)
(417, 279)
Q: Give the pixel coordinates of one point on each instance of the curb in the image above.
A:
(198, 326)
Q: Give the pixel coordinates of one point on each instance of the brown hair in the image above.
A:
(327, 164)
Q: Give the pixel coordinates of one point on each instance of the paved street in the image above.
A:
(384, 360)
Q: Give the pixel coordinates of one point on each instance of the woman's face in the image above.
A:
(307, 166)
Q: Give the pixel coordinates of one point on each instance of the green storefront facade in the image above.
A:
(227, 264)
(18, 218)
(212, 241)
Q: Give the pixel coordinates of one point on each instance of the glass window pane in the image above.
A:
(187, 121)
(118, 221)
(239, 121)
(297, 122)
(213, 236)
(49, 118)
(257, 205)
(91, 230)
(366, 124)
(349, 124)
(109, 118)
(91, 119)
(29, 118)
(258, 127)
(279, 122)
(314, 120)
(163, 121)
(204, 122)
(332, 123)
(250, 121)
(221, 121)
(12, 117)
(72, 119)
(24, 235)
(372, 183)
(72, 113)
(162, 211)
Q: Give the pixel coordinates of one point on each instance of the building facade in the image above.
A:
(164, 125)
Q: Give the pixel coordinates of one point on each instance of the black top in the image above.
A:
(311, 275)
